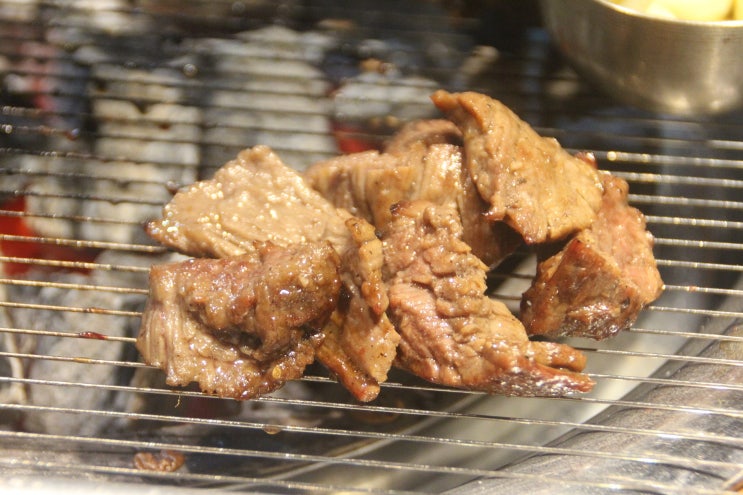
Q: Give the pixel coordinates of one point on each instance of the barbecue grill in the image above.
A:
(109, 107)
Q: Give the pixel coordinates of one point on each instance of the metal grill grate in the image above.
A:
(108, 107)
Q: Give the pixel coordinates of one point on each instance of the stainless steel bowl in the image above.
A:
(663, 65)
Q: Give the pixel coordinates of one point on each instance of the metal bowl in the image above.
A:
(662, 65)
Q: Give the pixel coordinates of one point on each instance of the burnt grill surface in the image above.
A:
(107, 108)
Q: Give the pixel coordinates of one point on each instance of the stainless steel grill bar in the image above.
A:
(76, 219)
(722, 439)
(665, 381)
(70, 286)
(683, 201)
(346, 462)
(93, 197)
(687, 462)
(50, 307)
(75, 335)
(75, 265)
(726, 412)
(75, 243)
(57, 174)
(699, 265)
(688, 335)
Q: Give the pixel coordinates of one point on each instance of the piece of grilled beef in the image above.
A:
(240, 326)
(419, 163)
(423, 133)
(528, 181)
(256, 197)
(452, 333)
(361, 342)
(596, 285)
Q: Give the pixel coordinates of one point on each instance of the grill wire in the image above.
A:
(108, 107)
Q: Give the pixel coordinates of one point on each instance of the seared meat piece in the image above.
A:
(368, 183)
(252, 198)
(442, 178)
(424, 133)
(452, 334)
(257, 198)
(360, 334)
(360, 341)
(240, 326)
(530, 182)
(363, 183)
(598, 283)
(420, 166)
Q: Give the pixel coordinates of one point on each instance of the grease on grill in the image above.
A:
(92, 335)
(165, 461)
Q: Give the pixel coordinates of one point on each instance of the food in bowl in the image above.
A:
(679, 67)
(688, 10)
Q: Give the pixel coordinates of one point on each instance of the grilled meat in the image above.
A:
(252, 198)
(596, 285)
(529, 181)
(348, 180)
(452, 333)
(244, 325)
(423, 133)
(360, 341)
(418, 164)
(258, 198)
(445, 211)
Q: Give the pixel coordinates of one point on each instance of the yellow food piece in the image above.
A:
(688, 10)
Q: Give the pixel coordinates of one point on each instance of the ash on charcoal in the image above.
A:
(22, 11)
(113, 17)
(140, 115)
(389, 94)
(66, 358)
(251, 99)
(11, 392)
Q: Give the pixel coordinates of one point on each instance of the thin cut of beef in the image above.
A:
(361, 341)
(423, 133)
(598, 283)
(428, 146)
(419, 164)
(240, 326)
(254, 197)
(529, 181)
(257, 198)
(364, 183)
(452, 333)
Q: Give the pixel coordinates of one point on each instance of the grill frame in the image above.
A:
(666, 160)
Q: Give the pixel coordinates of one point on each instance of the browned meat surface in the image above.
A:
(360, 341)
(367, 184)
(598, 283)
(452, 334)
(443, 178)
(258, 198)
(423, 133)
(529, 182)
(364, 183)
(252, 198)
(240, 326)
(381, 257)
